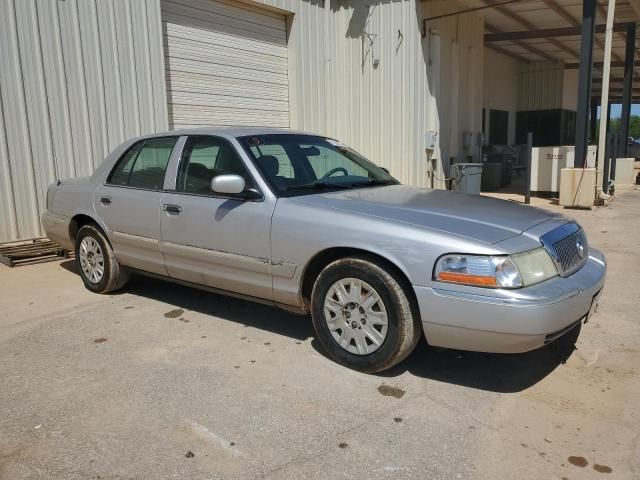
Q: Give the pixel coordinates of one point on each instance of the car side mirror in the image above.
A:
(385, 169)
(228, 184)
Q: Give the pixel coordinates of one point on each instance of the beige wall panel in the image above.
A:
(78, 77)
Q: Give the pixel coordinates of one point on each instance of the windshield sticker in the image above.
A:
(255, 141)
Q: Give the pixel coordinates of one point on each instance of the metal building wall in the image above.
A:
(78, 77)
(384, 111)
(541, 86)
(458, 77)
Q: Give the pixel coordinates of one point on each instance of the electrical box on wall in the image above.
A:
(430, 140)
(467, 139)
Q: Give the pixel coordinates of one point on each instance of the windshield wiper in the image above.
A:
(373, 181)
(317, 185)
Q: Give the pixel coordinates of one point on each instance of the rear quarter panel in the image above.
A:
(70, 197)
(67, 199)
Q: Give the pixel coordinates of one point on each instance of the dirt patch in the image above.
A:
(189, 454)
(343, 445)
(578, 461)
(100, 340)
(602, 468)
(389, 391)
(174, 313)
(397, 419)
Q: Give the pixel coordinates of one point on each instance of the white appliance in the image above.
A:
(546, 163)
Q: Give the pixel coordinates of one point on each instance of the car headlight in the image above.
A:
(535, 266)
(495, 271)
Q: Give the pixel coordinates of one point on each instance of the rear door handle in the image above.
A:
(105, 200)
(175, 209)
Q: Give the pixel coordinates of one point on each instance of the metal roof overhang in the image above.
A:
(549, 30)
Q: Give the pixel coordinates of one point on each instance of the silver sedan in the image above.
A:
(305, 223)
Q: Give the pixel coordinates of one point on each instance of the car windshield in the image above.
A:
(302, 164)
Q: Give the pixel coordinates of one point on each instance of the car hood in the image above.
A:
(485, 219)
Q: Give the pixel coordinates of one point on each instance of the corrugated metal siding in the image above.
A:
(384, 111)
(458, 74)
(226, 64)
(78, 77)
(541, 86)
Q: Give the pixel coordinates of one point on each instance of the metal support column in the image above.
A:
(606, 70)
(584, 81)
(593, 118)
(627, 89)
(607, 163)
(614, 160)
(527, 172)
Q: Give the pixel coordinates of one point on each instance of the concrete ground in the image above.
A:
(161, 381)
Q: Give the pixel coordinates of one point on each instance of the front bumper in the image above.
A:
(509, 321)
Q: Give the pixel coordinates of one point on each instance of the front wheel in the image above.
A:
(98, 266)
(362, 315)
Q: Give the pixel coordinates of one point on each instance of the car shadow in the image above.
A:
(503, 373)
(244, 312)
(491, 372)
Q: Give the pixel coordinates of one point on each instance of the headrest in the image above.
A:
(199, 171)
(269, 164)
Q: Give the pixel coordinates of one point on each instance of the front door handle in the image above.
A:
(175, 209)
(105, 200)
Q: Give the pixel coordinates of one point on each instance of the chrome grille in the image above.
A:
(568, 247)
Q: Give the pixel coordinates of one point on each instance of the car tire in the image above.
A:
(403, 324)
(92, 246)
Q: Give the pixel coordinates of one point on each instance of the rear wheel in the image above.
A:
(99, 269)
(362, 315)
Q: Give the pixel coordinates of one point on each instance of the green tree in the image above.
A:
(634, 127)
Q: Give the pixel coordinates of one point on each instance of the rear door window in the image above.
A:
(144, 165)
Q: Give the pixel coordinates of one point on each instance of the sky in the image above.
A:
(617, 108)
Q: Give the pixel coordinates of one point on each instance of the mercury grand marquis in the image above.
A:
(305, 223)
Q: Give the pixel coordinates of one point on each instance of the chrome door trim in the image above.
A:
(130, 238)
(233, 260)
(244, 262)
(283, 269)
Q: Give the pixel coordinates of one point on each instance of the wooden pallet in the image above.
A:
(33, 250)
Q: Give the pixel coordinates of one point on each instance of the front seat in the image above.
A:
(271, 167)
(198, 178)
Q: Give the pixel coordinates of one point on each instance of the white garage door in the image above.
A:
(226, 64)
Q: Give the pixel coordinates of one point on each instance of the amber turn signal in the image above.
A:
(454, 277)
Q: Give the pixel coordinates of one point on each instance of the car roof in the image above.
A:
(228, 131)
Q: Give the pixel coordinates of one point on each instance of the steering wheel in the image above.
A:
(335, 170)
